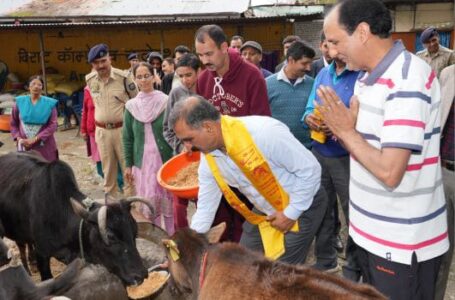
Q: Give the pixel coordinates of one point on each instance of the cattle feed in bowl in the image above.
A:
(152, 284)
(185, 177)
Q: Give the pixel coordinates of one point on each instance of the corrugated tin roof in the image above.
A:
(100, 23)
(290, 2)
(267, 11)
(63, 13)
(120, 8)
(141, 22)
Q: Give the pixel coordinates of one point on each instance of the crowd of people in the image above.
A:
(368, 124)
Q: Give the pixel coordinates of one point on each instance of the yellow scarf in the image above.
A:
(241, 148)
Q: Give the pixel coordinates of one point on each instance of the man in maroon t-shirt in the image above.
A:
(235, 88)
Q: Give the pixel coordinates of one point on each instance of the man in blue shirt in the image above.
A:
(334, 160)
(288, 90)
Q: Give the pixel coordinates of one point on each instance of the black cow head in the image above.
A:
(112, 235)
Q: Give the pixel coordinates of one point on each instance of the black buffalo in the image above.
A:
(41, 205)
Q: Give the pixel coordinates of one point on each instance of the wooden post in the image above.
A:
(43, 64)
(162, 42)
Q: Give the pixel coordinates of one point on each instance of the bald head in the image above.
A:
(194, 110)
(348, 14)
(358, 33)
(196, 123)
(332, 16)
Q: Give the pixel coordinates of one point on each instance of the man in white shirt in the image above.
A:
(397, 210)
(198, 124)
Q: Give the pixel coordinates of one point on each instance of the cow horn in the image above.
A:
(79, 209)
(102, 215)
(142, 200)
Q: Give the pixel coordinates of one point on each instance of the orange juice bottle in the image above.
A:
(318, 136)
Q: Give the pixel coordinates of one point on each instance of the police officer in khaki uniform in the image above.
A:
(110, 89)
(133, 59)
(436, 55)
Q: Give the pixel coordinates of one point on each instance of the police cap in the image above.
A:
(133, 56)
(427, 34)
(97, 51)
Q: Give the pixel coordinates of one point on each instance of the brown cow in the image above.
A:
(229, 271)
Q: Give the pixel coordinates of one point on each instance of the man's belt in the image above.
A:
(109, 125)
(448, 164)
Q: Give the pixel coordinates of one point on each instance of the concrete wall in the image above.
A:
(406, 19)
(311, 32)
(409, 18)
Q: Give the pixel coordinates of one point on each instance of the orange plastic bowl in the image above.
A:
(171, 167)
(5, 123)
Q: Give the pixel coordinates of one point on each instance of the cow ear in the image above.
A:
(79, 209)
(172, 248)
(215, 233)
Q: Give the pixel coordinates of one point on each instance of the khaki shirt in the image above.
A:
(109, 98)
(439, 60)
(447, 82)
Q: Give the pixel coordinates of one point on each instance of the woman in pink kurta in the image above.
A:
(34, 121)
(145, 149)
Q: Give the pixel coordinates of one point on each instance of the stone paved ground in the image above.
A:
(72, 149)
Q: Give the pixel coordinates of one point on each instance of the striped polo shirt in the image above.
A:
(399, 108)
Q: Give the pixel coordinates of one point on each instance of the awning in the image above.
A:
(25, 9)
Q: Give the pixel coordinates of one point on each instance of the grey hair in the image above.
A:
(194, 110)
